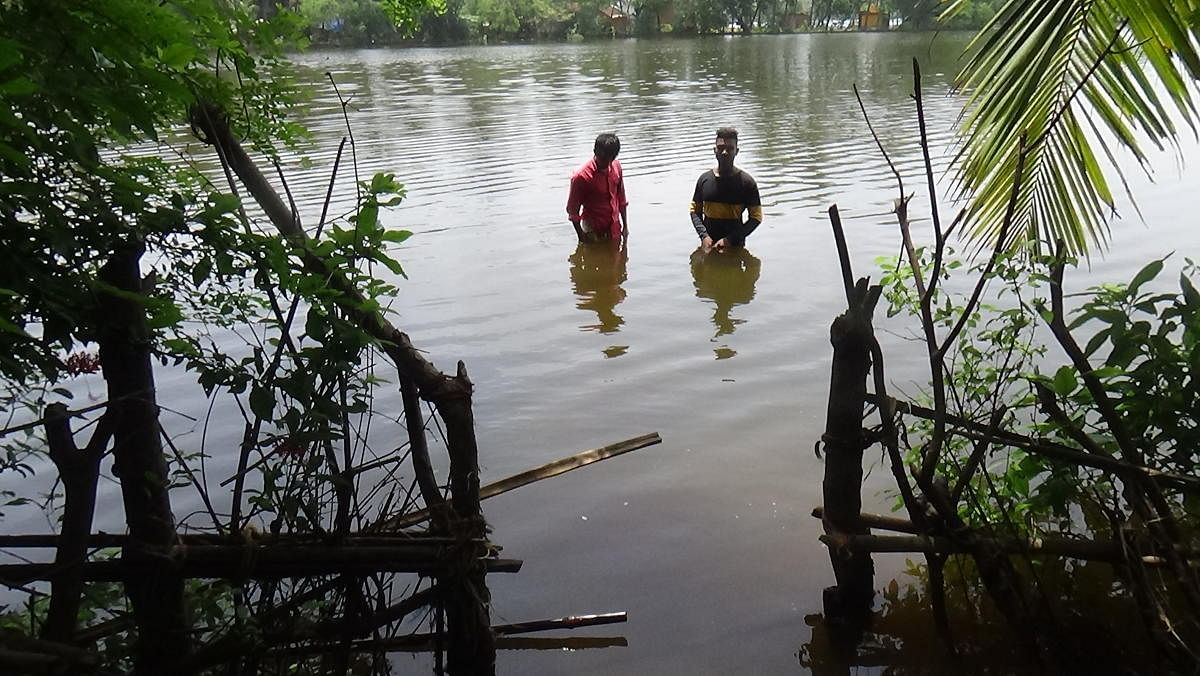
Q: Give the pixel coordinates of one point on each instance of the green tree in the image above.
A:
(80, 82)
(367, 21)
(701, 16)
(1081, 81)
(141, 254)
(826, 11)
(743, 12)
(917, 14)
(649, 16)
(519, 19)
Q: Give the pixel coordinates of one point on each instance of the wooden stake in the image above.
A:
(851, 335)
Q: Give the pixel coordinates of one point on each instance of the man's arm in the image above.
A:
(574, 202)
(753, 206)
(697, 213)
(624, 204)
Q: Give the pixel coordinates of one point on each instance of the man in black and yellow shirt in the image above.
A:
(722, 194)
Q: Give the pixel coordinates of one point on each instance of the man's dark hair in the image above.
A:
(727, 133)
(607, 145)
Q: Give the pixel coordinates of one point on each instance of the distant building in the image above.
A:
(873, 18)
(617, 20)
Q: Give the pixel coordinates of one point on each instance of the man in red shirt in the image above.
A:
(598, 187)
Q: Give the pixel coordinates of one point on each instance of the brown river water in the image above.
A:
(705, 540)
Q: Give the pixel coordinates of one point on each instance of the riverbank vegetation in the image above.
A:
(1053, 424)
(374, 22)
(128, 255)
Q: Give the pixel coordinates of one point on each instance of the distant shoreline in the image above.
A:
(334, 45)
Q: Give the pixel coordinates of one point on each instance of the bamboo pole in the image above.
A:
(261, 563)
(569, 622)
(423, 643)
(504, 634)
(112, 540)
(868, 520)
(549, 470)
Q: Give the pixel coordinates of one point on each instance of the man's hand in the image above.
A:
(707, 242)
(578, 229)
(722, 244)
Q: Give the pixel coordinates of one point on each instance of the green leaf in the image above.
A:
(7, 326)
(224, 203)
(396, 236)
(180, 346)
(262, 402)
(1064, 381)
(178, 56)
(1147, 273)
(201, 271)
(1190, 296)
(393, 265)
(368, 217)
(162, 313)
(10, 54)
(1095, 342)
(21, 86)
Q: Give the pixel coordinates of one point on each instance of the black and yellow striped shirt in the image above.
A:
(719, 202)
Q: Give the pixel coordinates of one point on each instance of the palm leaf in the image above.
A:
(1082, 79)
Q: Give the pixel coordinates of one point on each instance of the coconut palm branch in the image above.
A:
(1083, 79)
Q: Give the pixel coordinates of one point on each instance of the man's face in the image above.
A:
(725, 150)
(604, 159)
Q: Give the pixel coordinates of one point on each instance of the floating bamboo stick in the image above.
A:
(550, 469)
(569, 622)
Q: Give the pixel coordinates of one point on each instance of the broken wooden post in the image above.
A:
(471, 646)
(79, 471)
(851, 335)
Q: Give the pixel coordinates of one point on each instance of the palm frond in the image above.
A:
(1082, 79)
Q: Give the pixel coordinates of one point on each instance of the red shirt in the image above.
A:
(601, 194)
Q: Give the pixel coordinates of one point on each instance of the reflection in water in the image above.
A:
(727, 278)
(597, 273)
(901, 638)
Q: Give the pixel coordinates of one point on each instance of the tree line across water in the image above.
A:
(365, 22)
